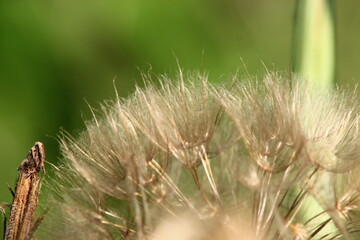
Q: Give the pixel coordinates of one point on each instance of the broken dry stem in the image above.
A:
(23, 209)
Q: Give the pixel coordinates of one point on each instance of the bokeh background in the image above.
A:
(56, 55)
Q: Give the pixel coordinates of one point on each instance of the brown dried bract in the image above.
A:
(23, 209)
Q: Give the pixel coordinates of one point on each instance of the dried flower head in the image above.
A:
(186, 160)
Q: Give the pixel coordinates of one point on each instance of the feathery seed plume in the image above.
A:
(189, 160)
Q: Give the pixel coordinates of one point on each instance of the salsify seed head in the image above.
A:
(185, 159)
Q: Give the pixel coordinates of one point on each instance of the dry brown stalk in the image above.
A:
(23, 209)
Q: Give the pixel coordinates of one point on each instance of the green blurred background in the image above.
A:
(54, 54)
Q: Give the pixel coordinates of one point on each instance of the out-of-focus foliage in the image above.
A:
(314, 39)
(53, 54)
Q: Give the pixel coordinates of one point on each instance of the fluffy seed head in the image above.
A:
(187, 160)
